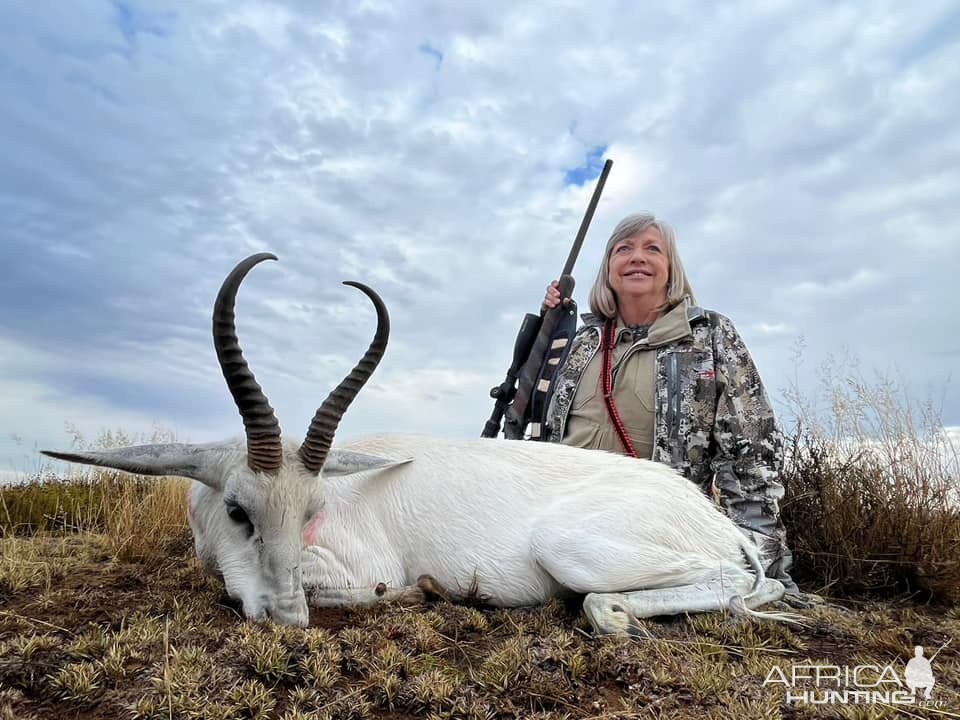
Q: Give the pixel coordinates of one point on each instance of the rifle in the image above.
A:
(539, 349)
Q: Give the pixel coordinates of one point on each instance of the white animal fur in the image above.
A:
(519, 522)
(514, 522)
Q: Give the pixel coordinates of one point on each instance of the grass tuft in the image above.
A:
(251, 699)
(78, 681)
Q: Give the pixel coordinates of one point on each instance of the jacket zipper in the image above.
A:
(673, 395)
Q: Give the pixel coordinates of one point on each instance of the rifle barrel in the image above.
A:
(588, 216)
(513, 396)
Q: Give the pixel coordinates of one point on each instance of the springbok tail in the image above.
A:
(738, 604)
(752, 553)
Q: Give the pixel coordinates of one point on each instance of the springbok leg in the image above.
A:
(364, 597)
(426, 589)
(619, 613)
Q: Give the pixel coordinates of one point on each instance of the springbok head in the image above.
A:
(256, 496)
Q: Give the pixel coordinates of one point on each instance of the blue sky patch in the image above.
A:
(590, 169)
(432, 52)
(133, 22)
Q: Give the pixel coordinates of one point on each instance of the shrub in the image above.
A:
(871, 491)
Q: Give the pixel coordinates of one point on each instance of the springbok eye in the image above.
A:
(238, 515)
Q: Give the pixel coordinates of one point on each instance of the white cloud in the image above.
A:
(861, 279)
(807, 154)
(774, 329)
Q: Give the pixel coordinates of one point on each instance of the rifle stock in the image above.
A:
(517, 416)
(505, 392)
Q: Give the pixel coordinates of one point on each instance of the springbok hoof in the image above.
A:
(609, 615)
(431, 589)
(638, 630)
(410, 595)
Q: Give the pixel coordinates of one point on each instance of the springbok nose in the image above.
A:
(291, 610)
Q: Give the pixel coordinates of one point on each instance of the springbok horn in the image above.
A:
(263, 431)
(315, 446)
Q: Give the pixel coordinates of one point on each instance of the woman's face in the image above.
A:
(639, 268)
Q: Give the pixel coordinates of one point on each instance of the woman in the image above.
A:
(652, 375)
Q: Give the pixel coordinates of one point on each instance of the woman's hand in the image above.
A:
(552, 298)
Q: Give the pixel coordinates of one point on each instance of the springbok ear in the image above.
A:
(346, 462)
(204, 463)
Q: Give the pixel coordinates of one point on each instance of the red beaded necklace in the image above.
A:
(606, 383)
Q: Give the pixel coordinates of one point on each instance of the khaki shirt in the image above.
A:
(634, 388)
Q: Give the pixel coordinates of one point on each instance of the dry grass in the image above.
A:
(113, 641)
(105, 613)
(140, 516)
(872, 484)
(94, 637)
(146, 515)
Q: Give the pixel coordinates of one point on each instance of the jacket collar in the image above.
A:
(673, 325)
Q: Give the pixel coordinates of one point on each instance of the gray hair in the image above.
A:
(603, 301)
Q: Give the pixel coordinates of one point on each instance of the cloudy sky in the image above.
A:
(807, 153)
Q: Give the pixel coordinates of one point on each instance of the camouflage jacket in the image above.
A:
(712, 422)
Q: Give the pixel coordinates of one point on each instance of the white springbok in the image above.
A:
(514, 523)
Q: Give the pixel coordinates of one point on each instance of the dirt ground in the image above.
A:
(85, 636)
